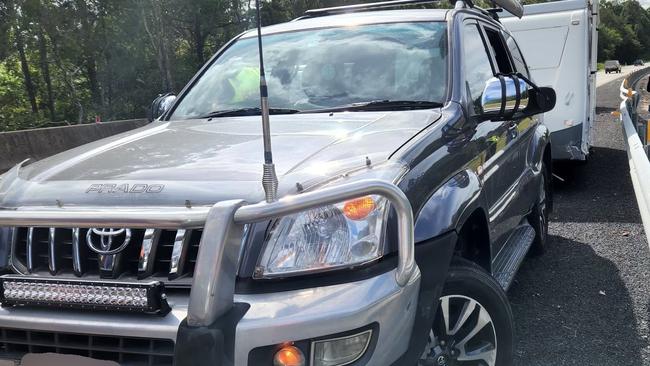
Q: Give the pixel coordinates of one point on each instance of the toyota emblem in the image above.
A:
(103, 240)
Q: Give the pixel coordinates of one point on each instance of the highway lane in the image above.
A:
(602, 78)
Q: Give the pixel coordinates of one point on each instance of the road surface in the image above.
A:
(602, 78)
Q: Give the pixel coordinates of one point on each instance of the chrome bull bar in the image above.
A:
(212, 293)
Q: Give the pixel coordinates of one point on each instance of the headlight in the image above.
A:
(330, 237)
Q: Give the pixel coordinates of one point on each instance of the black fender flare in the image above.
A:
(449, 206)
(540, 144)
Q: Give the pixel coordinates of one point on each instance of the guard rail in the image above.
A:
(635, 146)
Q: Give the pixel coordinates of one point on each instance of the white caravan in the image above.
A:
(559, 41)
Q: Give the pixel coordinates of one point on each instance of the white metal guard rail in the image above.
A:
(637, 158)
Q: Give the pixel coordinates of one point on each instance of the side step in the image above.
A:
(507, 262)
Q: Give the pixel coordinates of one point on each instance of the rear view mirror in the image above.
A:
(160, 105)
(503, 97)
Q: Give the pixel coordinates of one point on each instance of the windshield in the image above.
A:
(325, 68)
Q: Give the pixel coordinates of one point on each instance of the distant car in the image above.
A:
(638, 62)
(612, 66)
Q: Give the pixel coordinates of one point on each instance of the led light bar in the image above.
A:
(88, 295)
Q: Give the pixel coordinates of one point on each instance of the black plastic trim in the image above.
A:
(249, 285)
(6, 234)
(213, 345)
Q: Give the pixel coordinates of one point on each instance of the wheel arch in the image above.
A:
(458, 206)
(474, 240)
(456, 202)
(449, 206)
(547, 159)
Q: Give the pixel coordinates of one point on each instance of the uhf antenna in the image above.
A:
(269, 179)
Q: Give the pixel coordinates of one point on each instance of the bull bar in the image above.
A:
(213, 287)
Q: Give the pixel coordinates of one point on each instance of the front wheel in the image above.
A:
(473, 324)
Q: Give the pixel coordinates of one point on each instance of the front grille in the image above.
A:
(151, 254)
(127, 351)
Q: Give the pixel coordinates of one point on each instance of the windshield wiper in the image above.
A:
(381, 105)
(251, 111)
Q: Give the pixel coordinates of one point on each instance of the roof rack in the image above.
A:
(512, 6)
(494, 12)
(373, 6)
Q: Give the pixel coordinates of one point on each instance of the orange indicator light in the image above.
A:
(289, 356)
(359, 208)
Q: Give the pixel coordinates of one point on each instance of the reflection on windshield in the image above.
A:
(324, 68)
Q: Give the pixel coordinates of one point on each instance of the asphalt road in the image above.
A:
(602, 78)
(587, 300)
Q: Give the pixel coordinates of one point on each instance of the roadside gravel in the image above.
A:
(587, 300)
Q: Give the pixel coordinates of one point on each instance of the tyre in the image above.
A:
(538, 217)
(473, 324)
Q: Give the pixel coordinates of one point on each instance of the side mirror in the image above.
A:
(506, 96)
(160, 105)
(503, 97)
(542, 100)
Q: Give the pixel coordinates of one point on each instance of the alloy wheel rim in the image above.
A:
(463, 333)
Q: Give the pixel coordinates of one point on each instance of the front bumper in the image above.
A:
(271, 319)
(317, 312)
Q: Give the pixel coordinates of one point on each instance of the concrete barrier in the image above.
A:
(40, 143)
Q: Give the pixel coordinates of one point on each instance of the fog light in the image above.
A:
(340, 351)
(120, 296)
(289, 356)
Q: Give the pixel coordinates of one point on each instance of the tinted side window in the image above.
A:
(478, 69)
(499, 51)
(517, 57)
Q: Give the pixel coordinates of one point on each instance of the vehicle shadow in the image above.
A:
(599, 191)
(605, 109)
(586, 319)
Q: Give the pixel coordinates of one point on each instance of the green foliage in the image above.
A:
(67, 61)
(623, 32)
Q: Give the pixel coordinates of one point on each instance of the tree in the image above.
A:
(19, 28)
(155, 18)
(69, 60)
